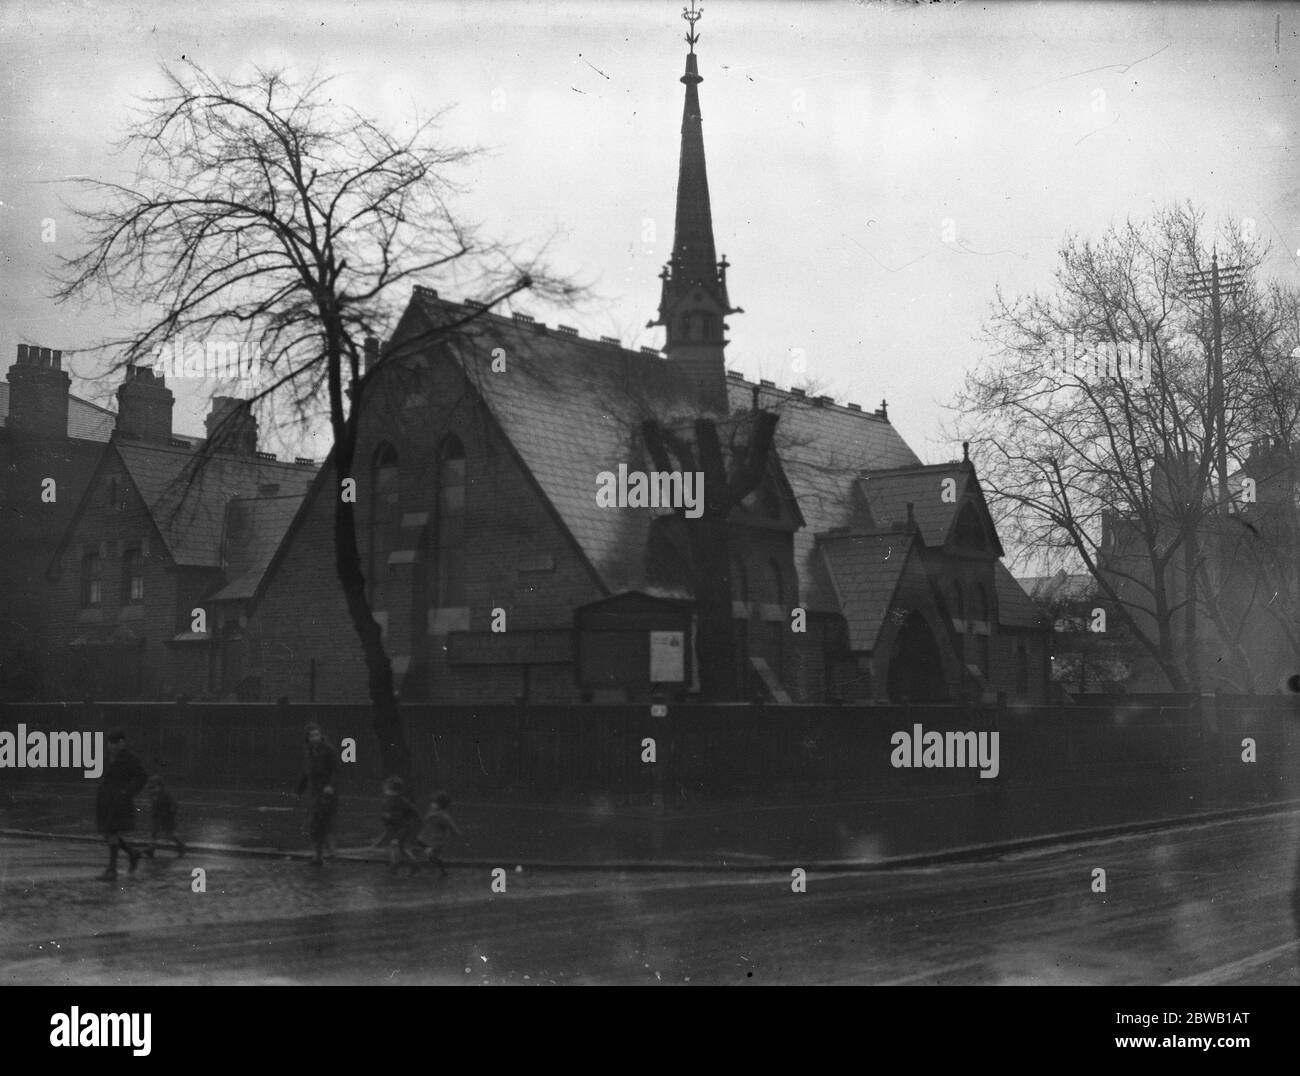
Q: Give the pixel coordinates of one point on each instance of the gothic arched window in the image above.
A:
(384, 510)
(451, 524)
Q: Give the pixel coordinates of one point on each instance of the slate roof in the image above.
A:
(865, 570)
(888, 494)
(572, 408)
(253, 530)
(188, 502)
(1015, 608)
(86, 421)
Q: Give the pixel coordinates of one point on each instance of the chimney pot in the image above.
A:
(45, 357)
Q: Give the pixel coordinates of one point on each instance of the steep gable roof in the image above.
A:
(1015, 608)
(186, 493)
(888, 493)
(864, 570)
(253, 530)
(572, 407)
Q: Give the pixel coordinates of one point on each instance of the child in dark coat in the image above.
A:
(320, 823)
(319, 778)
(122, 779)
(440, 823)
(401, 825)
(162, 817)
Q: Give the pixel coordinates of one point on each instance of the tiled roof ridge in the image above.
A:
(891, 472)
(190, 453)
(525, 324)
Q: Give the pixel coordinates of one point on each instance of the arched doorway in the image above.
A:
(915, 669)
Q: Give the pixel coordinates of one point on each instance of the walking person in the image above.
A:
(440, 824)
(319, 777)
(401, 825)
(162, 817)
(123, 778)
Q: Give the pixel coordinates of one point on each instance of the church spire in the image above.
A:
(694, 299)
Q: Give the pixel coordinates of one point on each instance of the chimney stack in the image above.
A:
(371, 354)
(38, 393)
(231, 426)
(144, 407)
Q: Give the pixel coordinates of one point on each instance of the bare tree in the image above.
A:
(262, 210)
(1095, 423)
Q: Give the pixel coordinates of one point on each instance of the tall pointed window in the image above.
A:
(451, 524)
(384, 510)
(777, 628)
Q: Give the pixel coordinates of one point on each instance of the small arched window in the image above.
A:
(384, 509)
(451, 523)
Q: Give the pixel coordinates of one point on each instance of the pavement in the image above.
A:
(870, 835)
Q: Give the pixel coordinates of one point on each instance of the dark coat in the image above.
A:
(322, 765)
(324, 810)
(401, 818)
(164, 812)
(123, 778)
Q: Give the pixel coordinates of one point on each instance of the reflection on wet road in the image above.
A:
(1211, 903)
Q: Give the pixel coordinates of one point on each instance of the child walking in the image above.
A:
(123, 778)
(401, 825)
(319, 778)
(162, 817)
(440, 824)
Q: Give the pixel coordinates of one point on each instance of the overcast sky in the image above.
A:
(840, 137)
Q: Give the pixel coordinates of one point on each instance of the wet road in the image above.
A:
(1207, 904)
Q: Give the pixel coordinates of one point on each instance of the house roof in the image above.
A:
(86, 421)
(572, 407)
(1015, 608)
(186, 493)
(889, 492)
(252, 532)
(1060, 585)
(864, 570)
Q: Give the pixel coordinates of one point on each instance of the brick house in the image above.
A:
(145, 527)
(50, 441)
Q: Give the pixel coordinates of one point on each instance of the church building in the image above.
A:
(512, 550)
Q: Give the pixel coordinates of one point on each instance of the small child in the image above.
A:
(401, 825)
(162, 816)
(320, 823)
(440, 823)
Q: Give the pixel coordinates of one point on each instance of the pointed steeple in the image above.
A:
(694, 300)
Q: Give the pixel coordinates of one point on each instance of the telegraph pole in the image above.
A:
(1213, 285)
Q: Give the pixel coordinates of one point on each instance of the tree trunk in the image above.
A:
(386, 717)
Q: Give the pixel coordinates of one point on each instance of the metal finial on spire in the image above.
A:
(692, 16)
